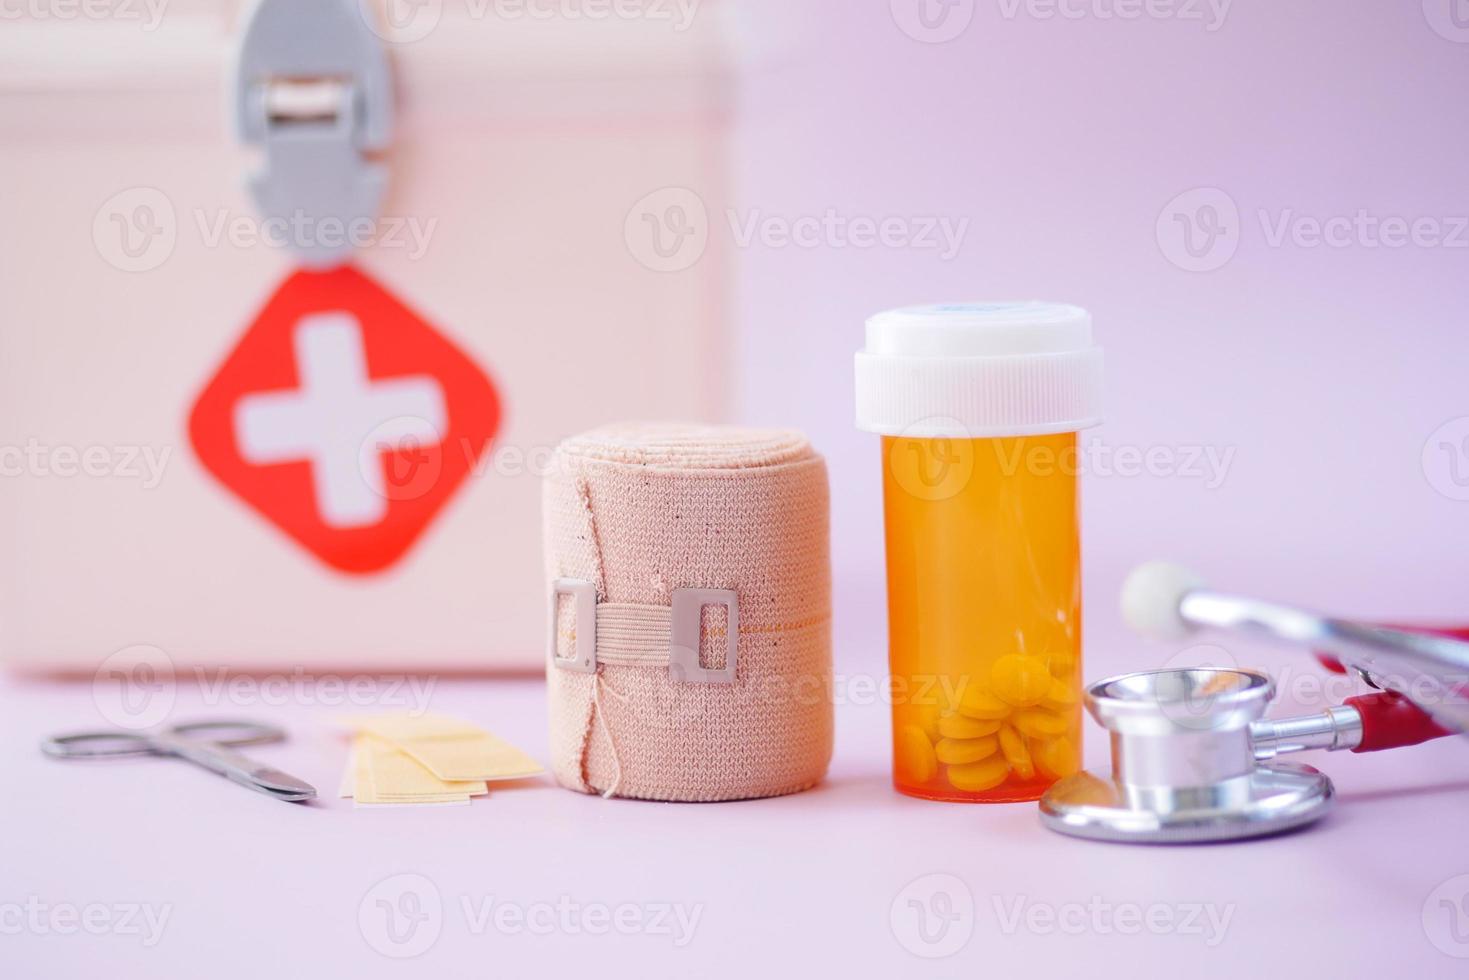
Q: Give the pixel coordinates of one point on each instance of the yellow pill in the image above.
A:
(1055, 758)
(926, 716)
(961, 751)
(915, 756)
(1019, 680)
(980, 704)
(1061, 662)
(1036, 723)
(1015, 752)
(1060, 696)
(958, 726)
(976, 777)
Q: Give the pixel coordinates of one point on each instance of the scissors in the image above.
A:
(205, 743)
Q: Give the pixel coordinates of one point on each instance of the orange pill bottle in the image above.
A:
(979, 406)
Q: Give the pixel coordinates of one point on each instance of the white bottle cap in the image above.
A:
(978, 370)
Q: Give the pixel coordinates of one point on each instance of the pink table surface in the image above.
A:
(818, 881)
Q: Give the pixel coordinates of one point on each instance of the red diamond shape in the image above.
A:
(345, 419)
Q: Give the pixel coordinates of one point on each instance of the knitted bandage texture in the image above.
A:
(642, 510)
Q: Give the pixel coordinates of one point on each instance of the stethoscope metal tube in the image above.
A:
(1430, 670)
(1169, 602)
(1336, 729)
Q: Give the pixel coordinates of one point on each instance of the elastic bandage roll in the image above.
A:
(690, 630)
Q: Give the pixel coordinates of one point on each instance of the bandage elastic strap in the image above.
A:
(625, 634)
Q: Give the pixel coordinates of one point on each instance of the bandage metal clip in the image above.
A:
(583, 659)
(683, 646)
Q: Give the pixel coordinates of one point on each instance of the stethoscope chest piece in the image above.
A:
(1184, 767)
(1273, 799)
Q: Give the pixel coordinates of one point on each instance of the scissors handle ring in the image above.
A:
(119, 743)
(232, 733)
(97, 745)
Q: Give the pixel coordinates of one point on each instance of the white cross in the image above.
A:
(340, 420)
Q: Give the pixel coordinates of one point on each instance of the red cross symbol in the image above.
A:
(344, 419)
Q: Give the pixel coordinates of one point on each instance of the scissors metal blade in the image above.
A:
(238, 768)
(282, 785)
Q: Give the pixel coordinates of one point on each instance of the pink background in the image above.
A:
(1324, 369)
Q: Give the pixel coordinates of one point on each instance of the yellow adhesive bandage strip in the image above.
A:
(348, 786)
(373, 763)
(452, 750)
(395, 773)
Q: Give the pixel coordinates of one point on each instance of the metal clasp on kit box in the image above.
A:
(312, 89)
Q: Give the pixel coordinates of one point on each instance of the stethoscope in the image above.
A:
(1192, 753)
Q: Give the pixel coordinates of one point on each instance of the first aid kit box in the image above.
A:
(300, 296)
